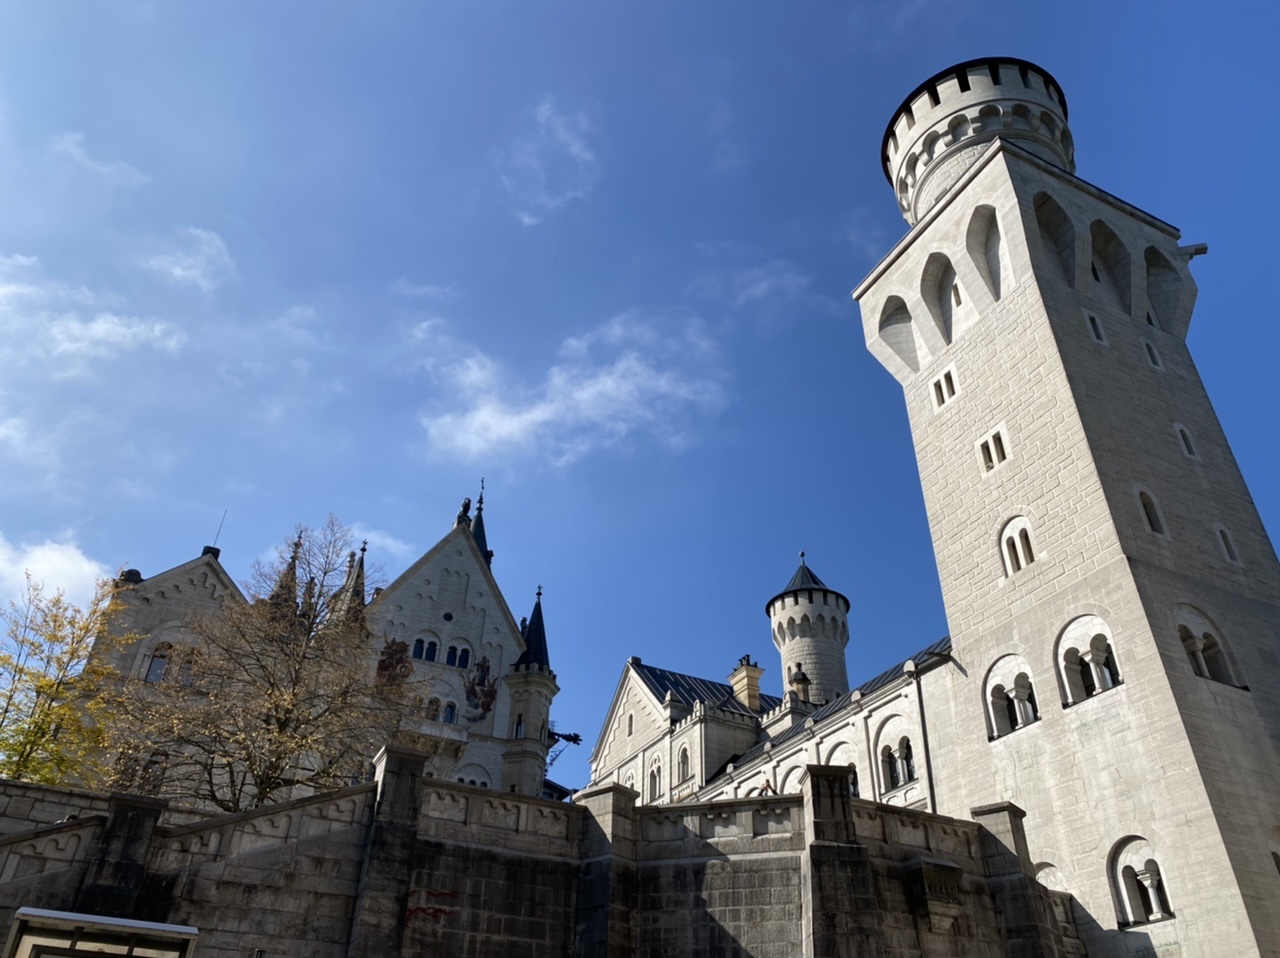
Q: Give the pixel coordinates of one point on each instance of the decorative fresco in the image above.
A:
(481, 691)
(393, 663)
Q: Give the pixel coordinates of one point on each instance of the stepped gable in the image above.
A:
(689, 689)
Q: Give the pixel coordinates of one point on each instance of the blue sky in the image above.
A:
(293, 258)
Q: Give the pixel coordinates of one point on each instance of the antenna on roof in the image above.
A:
(220, 522)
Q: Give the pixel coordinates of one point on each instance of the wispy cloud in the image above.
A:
(71, 145)
(427, 291)
(727, 154)
(58, 565)
(633, 377)
(867, 236)
(774, 279)
(106, 335)
(549, 165)
(383, 543)
(202, 260)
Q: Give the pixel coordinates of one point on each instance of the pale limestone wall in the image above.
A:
(810, 630)
(1076, 429)
(159, 608)
(854, 736)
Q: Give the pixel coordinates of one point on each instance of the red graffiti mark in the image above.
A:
(428, 911)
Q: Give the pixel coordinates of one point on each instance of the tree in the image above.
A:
(46, 733)
(279, 695)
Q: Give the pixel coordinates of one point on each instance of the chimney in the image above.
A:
(745, 680)
(212, 551)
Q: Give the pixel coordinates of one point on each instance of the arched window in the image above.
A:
(1151, 512)
(630, 725)
(159, 663)
(433, 710)
(1204, 647)
(907, 759)
(853, 781)
(655, 784)
(430, 654)
(889, 769)
(1015, 545)
(464, 658)
(518, 732)
(1010, 696)
(684, 764)
(1086, 662)
(451, 657)
(450, 713)
(419, 648)
(1137, 884)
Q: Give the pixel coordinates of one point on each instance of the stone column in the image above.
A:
(608, 889)
(382, 901)
(1094, 662)
(840, 914)
(1151, 880)
(119, 863)
(1026, 917)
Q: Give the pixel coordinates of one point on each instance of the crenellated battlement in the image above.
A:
(942, 127)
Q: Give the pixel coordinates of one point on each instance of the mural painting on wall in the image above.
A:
(393, 663)
(481, 691)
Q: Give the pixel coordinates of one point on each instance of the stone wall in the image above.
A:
(408, 865)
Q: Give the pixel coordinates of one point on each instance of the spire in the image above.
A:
(477, 528)
(535, 638)
(804, 578)
(286, 591)
(348, 601)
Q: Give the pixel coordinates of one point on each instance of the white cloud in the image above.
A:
(403, 287)
(631, 377)
(203, 262)
(107, 334)
(58, 565)
(71, 144)
(550, 165)
(868, 237)
(777, 278)
(726, 153)
(383, 543)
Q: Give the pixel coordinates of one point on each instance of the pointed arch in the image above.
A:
(1057, 236)
(1164, 288)
(897, 332)
(939, 290)
(983, 243)
(1111, 265)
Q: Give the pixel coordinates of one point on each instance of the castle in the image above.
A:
(1087, 765)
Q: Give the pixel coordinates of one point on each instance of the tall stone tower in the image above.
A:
(1111, 592)
(810, 624)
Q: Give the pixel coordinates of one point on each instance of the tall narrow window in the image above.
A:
(944, 389)
(159, 663)
(431, 652)
(853, 789)
(518, 731)
(1024, 539)
(684, 764)
(1153, 357)
(1095, 328)
(1188, 447)
(889, 769)
(950, 383)
(1015, 564)
(450, 713)
(1228, 546)
(1016, 550)
(419, 648)
(908, 760)
(630, 725)
(1151, 513)
(451, 657)
(464, 658)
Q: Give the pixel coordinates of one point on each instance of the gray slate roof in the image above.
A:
(689, 689)
(925, 659)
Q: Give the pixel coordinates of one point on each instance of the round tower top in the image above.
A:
(944, 125)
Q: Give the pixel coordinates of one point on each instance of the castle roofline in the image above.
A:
(951, 71)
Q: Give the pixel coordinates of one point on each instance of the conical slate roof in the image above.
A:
(535, 638)
(477, 530)
(805, 578)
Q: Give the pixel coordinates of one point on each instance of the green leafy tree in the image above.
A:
(274, 697)
(47, 732)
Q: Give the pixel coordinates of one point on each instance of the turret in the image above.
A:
(533, 686)
(947, 122)
(810, 630)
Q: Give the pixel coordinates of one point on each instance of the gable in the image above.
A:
(633, 699)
